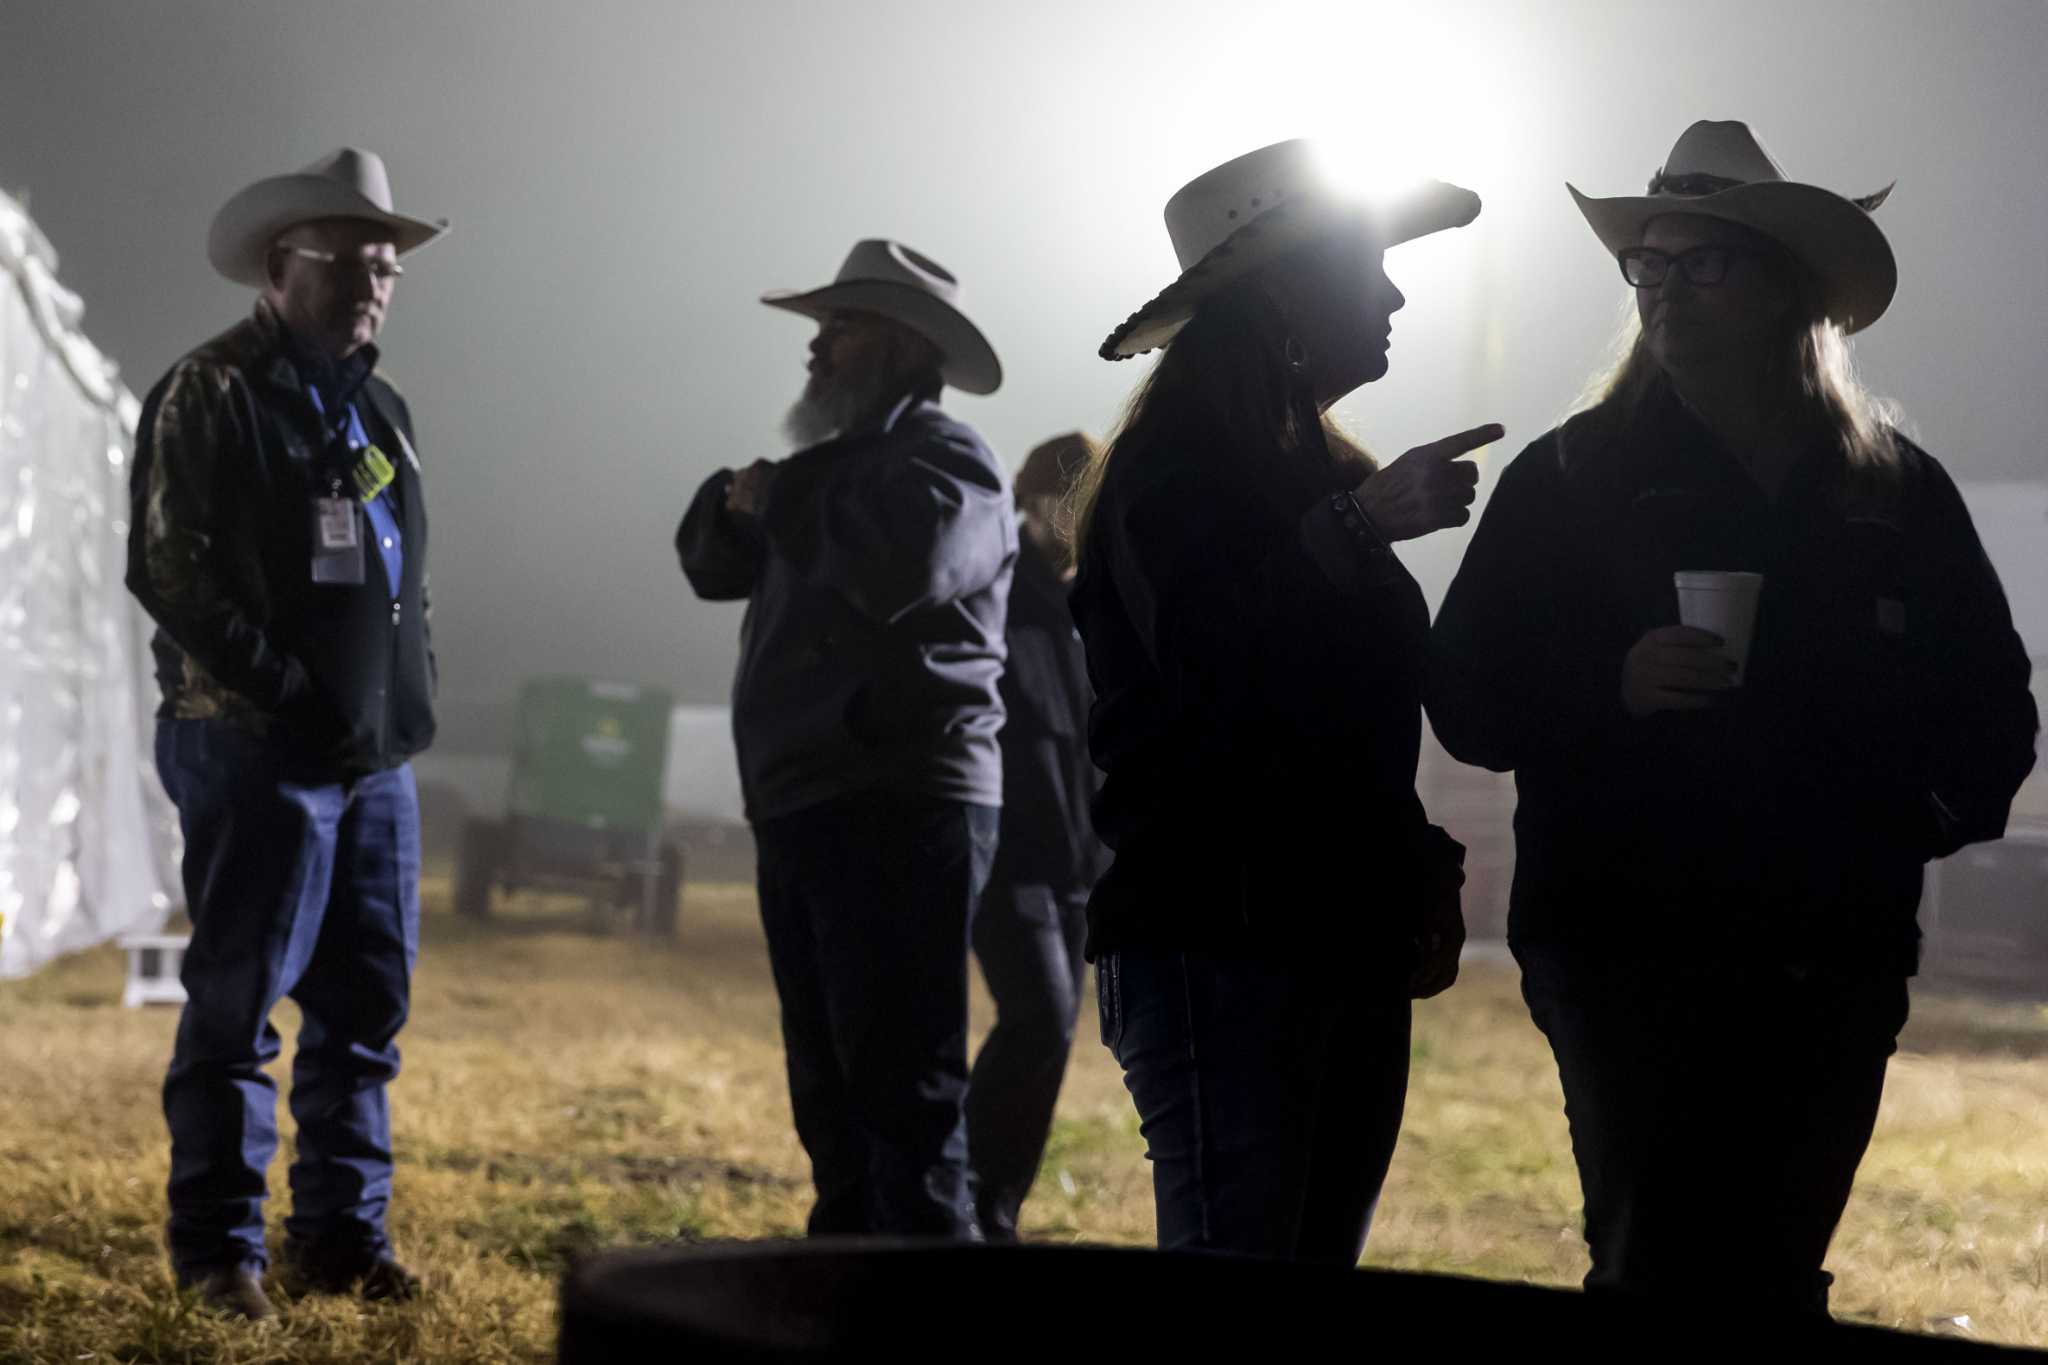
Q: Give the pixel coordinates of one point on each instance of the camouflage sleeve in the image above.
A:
(188, 437)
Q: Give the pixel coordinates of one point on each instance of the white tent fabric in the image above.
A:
(87, 838)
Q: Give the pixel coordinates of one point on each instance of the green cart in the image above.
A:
(585, 812)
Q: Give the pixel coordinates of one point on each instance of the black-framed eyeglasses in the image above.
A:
(1646, 267)
(383, 272)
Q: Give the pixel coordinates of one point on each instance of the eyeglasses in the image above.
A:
(1646, 267)
(383, 272)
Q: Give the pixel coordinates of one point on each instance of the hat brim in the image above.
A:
(969, 364)
(1389, 221)
(251, 222)
(1840, 243)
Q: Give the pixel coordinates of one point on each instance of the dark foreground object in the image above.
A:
(832, 1300)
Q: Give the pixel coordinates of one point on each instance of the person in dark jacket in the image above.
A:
(279, 538)
(1716, 883)
(1277, 894)
(1029, 931)
(876, 564)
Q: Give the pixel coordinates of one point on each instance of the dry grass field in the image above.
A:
(564, 1091)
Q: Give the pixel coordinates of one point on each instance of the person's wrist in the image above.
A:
(1356, 519)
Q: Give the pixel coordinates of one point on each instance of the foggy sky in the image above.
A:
(625, 178)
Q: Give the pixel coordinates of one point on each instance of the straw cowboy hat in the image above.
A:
(1720, 170)
(1229, 221)
(350, 183)
(889, 279)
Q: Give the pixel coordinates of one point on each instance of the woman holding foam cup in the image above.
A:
(1738, 640)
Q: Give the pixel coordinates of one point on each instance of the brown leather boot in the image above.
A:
(235, 1291)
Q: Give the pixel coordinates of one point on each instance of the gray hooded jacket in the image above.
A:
(877, 581)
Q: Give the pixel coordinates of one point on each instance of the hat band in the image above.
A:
(1691, 184)
(1696, 184)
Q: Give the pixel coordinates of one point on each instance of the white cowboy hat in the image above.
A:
(890, 279)
(1719, 170)
(350, 183)
(1229, 221)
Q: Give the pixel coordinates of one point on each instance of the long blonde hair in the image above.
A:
(1820, 391)
(1223, 380)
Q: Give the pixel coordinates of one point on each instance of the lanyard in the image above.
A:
(373, 474)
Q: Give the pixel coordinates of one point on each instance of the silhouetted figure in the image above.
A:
(1277, 894)
(279, 539)
(1715, 882)
(876, 564)
(1032, 923)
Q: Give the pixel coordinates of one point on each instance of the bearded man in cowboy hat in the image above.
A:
(876, 564)
(279, 539)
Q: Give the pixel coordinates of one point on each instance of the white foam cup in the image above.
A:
(1724, 603)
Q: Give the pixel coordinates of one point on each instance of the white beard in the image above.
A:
(828, 409)
(809, 423)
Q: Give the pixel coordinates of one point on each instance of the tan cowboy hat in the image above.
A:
(350, 183)
(889, 279)
(1720, 170)
(1052, 466)
(1229, 221)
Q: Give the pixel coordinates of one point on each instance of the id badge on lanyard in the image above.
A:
(338, 539)
(339, 542)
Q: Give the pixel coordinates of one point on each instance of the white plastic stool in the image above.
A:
(154, 961)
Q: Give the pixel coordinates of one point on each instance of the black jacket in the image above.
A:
(1257, 663)
(1048, 778)
(229, 456)
(876, 584)
(1884, 718)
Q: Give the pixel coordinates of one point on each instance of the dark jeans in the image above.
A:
(1269, 1095)
(1028, 939)
(304, 887)
(1718, 1112)
(868, 903)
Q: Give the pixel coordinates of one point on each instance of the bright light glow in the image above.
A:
(1373, 169)
(1394, 92)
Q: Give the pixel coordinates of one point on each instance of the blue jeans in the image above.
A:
(1269, 1095)
(303, 885)
(1718, 1113)
(1028, 938)
(868, 904)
